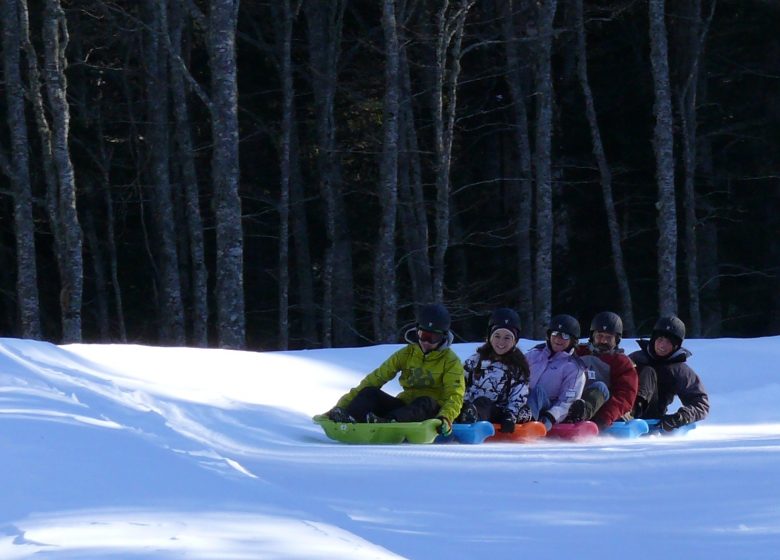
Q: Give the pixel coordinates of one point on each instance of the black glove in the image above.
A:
(670, 422)
(338, 414)
(446, 426)
(508, 424)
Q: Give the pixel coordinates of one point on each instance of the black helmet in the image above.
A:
(670, 326)
(434, 317)
(608, 322)
(566, 324)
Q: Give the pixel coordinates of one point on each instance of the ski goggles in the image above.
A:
(430, 337)
(561, 334)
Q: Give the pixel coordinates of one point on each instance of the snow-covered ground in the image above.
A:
(112, 451)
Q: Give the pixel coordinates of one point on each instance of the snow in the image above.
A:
(127, 451)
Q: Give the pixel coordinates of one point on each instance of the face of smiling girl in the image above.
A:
(502, 341)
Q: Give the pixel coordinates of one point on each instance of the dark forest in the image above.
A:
(306, 173)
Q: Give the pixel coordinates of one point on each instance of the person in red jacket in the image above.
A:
(603, 348)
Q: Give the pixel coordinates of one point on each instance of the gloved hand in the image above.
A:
(446, 426)
(547, 419)
(508, 424)
(671, 421)
(338, 414)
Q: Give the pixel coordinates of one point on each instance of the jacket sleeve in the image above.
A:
(518, 398)
(469, 366)
(453, 387)
(693, 396)
(624, 383)
(381, 375)
(571, 390)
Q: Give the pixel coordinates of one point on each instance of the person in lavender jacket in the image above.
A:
(557, 375)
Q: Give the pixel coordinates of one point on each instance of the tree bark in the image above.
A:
(663, 143)
(28, 303)
(543, 169)
(449, 37)
(186, 162)
(694, 33)
(171, 308)
(385, 294)
(613, 226)
(231, 322)
(61, 199)
(325, 21)
(414, 220)
(524, 194)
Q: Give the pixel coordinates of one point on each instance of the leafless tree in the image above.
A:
(28, 304)
(663, 143)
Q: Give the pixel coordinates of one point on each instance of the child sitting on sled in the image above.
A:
(497, 376)
(664, 375)
(431, 378)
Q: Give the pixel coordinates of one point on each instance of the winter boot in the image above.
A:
(372, 418)
(577, 412)
(468, 415)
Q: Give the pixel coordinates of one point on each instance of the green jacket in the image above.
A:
(438, 374)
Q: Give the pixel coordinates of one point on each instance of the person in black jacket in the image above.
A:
(664, 375)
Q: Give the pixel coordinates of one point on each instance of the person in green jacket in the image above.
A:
(431, 377)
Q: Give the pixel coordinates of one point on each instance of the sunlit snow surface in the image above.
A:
(122, 451)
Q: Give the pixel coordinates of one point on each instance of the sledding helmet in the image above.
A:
(609, 322)
(504, 318)
(671, 327)
(565, 324)
(433, 317)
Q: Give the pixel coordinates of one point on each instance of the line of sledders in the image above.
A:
(558, 381)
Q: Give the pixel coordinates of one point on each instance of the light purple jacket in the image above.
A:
(561, 376)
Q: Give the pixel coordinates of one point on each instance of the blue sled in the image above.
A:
(468, 433)
(655, 428)
(627, 430)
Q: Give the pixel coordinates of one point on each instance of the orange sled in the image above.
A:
(523, 433)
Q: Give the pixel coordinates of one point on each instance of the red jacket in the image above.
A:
(623, 384)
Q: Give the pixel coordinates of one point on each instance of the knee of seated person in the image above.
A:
(370, 391)
(600, 387)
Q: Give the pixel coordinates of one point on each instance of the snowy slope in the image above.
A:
(116, 451)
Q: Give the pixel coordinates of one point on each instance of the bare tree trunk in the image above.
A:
(410, 192)
(695, 32)
(543, 168)
(709, 261)
(663, 143)
(61, 201)
(325, 21)
(449, 38)
(231, 322)
(303, 272)
(28, 303)
(525, 184)
(171, 309)
(385, 296)
(626, 305)
(186, 161)
(284, 33)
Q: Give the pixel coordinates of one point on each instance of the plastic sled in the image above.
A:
(627, 430)
(468, 433)
(523, 433)
(390, 433)
(654, 425)
(576, 430)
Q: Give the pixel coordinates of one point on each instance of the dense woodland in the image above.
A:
(304, 173)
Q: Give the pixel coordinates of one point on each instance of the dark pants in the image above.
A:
(373, 399)
(594, 396)
(489, 410)
(647, 404)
